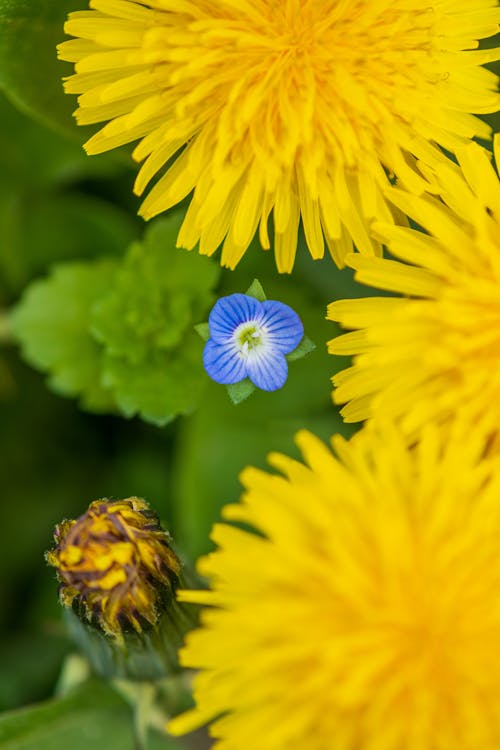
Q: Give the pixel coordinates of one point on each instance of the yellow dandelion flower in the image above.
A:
(365, 614)
(115, 566)
(294, 108)
(435, 351)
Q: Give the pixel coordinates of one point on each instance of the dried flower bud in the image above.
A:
(116, 568)
(118, 576)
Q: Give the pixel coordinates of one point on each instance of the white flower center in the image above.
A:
(249, 336)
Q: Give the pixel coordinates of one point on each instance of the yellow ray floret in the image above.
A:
(295, 109)
(365, 614)
(435, 351)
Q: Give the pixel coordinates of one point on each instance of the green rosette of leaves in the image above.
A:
(119, 335)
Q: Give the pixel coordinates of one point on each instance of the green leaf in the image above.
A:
(153, 361)
(30, 662)
(52, 324)
(42, 219)
(255, 290)
(120, 334)
(32, 76)
(30, 72)
(161, 386)
(40, 228)
(158, 293)
(91, 716)
(238, 392)
(29, 69)
(305, 347)
(37, 156)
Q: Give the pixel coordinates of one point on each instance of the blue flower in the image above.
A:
(249, 339)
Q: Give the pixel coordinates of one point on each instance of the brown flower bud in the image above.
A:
(115, 565)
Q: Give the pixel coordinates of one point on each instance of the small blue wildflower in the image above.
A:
(249, 339)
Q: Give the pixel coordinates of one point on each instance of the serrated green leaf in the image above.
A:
(255, 290)
(305, 347)
(158, 293)
(52, 323)
(153, 359)
(238, 392)
(120, 334)
(161, 386)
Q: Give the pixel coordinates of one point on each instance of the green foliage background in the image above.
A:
(102, 392)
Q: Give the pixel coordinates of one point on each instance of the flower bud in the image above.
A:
(118, 574)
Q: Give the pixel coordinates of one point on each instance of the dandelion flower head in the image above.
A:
(115, 565)
(293, 108)
(365, 614)
(435, 351)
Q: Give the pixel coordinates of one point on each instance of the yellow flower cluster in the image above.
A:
(364, 615)
(434, 350)
(356, 608)
(297, 108)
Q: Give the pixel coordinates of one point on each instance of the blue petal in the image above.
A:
(284, 327)
(229, 312)
(267, 370)
(223, 363)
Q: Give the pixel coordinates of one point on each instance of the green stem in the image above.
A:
(153, 703)
(141, 696)
(145, 700)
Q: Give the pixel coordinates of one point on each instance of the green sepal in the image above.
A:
(203, 330)
(305, 347)
(255, 290)
(149, 656)
(238, 392)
